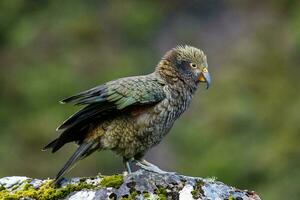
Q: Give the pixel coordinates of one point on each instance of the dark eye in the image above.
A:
(193, 65)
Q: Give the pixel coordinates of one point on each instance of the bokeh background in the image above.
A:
(244, 130)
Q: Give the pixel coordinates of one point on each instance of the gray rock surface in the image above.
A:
(138, 185)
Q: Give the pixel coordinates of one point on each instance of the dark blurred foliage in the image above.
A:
(245, 130)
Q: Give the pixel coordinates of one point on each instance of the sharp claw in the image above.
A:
(151, 168)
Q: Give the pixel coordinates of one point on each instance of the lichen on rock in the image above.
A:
(138, 185)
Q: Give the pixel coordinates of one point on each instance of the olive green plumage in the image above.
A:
(132, 114)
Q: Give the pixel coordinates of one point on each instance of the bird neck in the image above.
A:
(167, 72)
(173, 79)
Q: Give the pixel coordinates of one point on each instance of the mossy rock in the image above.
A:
(138, 185)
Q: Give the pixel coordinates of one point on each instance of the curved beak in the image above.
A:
(205, 77)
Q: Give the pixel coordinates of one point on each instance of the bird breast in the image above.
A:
(159, 119)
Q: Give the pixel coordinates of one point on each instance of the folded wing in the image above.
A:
(106, 101)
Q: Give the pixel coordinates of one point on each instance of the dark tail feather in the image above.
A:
(55, 145)
(50, 145)
(83, 150)
(75, 133)
(84, 114)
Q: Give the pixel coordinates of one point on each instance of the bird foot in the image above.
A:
(152, 168)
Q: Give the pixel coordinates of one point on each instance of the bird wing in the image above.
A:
(115, 96)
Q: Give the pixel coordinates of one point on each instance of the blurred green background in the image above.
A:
(244, 130)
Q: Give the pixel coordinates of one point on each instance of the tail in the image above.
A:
(76, 133)
(82, 151)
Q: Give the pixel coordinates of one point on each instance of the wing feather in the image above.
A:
(114, 95)
(106, 101)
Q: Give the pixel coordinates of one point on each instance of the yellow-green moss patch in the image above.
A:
(45, 192)
(114, 181)
(2, 187)
(132, 196)
(161, 192)
(231, 198)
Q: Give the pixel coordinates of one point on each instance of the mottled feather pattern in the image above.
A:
(116, 94)
(130, 115)
(135, 90)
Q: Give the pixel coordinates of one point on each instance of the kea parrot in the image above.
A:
(130, 115)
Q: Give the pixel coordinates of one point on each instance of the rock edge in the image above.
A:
(138, 185)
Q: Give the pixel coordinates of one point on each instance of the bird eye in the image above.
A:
(193, 65)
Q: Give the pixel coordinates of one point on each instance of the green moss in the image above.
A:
(27, 186)
(15, 187)
(131, 196)
(45, 192)
(114, 181)
(162, 193)
(162, 197)
(231, 198)
(146, 195)
(134, 194)
(48, 192)
(198, 191)
(194, 193)
(2, 187)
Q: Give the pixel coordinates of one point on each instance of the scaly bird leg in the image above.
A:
(127, 164)
(150, 167)
(128, 167)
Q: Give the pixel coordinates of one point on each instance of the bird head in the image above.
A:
(189, 64)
